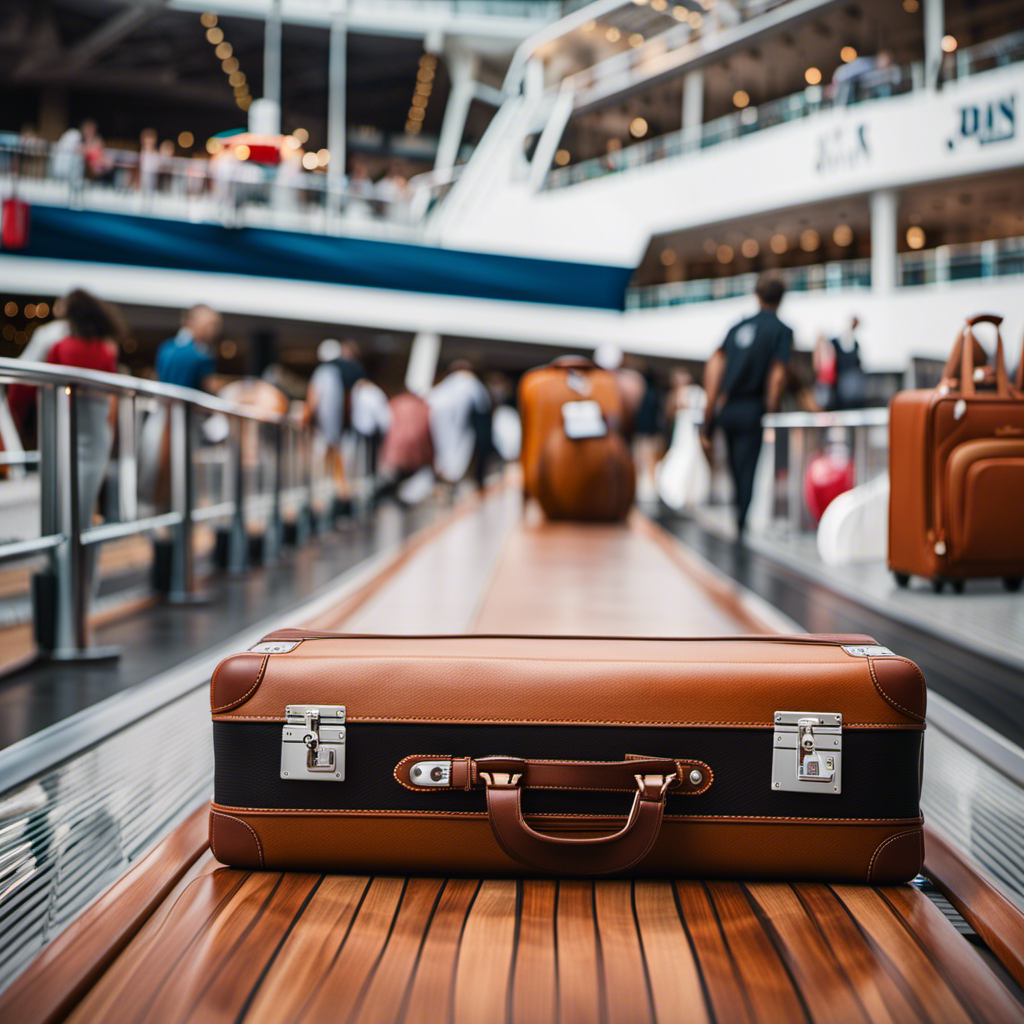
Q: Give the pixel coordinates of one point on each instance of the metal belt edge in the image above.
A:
(49, 747)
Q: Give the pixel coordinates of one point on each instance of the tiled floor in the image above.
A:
(969, 646)
(158, 638)
(985, 618)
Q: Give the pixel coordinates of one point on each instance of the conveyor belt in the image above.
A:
(990, 688)
(159, 637)
(231, 945)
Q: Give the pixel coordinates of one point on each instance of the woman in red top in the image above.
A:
(91, 345)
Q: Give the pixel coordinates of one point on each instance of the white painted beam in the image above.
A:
(917, 321)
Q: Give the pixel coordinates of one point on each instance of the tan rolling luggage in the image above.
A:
(956, 469)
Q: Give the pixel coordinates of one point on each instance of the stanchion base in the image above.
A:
(68, 654)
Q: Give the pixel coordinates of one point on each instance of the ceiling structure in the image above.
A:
(951, 212)
(777, 65)
(150, 64)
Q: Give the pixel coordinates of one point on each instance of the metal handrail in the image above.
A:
(787, 432)
(970, 61)
(24, 371)
(65, 538)
(235, 194)
(872, 417)
(868, 417)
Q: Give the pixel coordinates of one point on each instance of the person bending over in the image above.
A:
(744, 379)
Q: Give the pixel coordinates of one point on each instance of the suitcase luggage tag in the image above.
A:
(583, 420)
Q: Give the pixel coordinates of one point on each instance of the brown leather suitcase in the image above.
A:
(543, 392)
(793, 757)
(956, 470)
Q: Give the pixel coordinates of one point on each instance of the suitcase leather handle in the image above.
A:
(591, 855)
(691, 777)
(965, 353)
(586, 855)
(967, 360)
(985, 318)
(649, 778)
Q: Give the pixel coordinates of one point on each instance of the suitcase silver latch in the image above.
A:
(313, 743)
(807, 754)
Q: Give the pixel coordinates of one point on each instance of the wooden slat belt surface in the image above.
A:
(66, 970)
(234, 946)
(270, 947)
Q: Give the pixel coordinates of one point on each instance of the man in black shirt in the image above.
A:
(744, 379)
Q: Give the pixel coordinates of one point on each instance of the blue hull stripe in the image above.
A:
(57, 233)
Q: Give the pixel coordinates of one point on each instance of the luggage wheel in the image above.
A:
(1012, 583)
(902, 579)
(937, 584)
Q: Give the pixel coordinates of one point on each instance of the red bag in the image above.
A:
(14, 224)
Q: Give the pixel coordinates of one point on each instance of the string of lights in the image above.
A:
(228, 61)
(32, 311)
(421, 93)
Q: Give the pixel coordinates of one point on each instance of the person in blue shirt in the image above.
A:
(186, 358)
(745, 379)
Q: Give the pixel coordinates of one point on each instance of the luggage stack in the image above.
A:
(956, 469)
(575, 460)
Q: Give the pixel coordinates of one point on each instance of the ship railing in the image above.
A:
(257, 466)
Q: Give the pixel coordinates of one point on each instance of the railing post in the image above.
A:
(238, 539)
(274, 530)
(48, 472)
(182, 585)
(325, 521)
(127, 462)
(72, 590)
(304, 512)
(794, 479)
(860, 454)
(71, 611)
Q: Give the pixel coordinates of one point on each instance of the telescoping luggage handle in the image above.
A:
(962, 359)
(504, 778)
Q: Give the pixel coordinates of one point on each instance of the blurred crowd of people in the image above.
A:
(274, 175)
(405, 444)
(408, 443)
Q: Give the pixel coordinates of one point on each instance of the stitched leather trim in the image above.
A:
(687, 763)
(422, 757)
(248, 693)
(598, 818)
(447, 720)
(709, 775)
(886, 697)
(806, 639)
(899, 835)
(213, 832)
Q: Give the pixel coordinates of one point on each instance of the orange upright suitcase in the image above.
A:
(586, 480)
(956, 470)
(575, 461)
